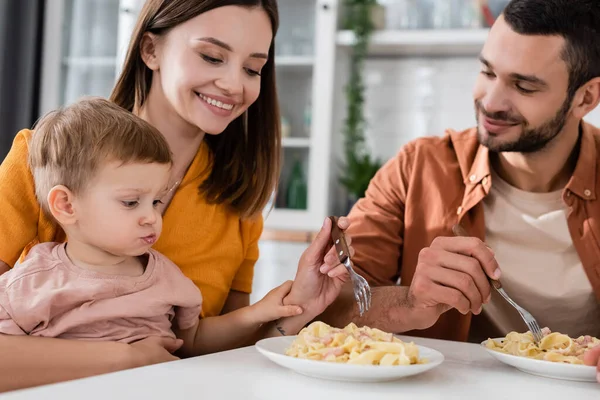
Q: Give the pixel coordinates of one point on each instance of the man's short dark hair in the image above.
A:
(577, 21)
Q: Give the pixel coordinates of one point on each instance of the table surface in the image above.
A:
(467, 373)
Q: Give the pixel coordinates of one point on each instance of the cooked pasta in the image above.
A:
(352, 345)
(554, 346)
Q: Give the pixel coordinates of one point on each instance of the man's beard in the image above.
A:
(531, 139)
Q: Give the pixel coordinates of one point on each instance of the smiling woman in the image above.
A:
(203, 74)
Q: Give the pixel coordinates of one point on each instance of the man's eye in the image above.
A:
(523, 90)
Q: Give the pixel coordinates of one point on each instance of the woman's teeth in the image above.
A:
(216, 103)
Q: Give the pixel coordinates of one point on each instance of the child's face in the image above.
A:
(118, 212)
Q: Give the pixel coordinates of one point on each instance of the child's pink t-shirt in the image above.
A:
(47, 295)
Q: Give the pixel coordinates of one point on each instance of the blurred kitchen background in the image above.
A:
(419, 70)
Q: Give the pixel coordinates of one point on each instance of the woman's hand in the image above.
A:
(152, 350)
(320, 276)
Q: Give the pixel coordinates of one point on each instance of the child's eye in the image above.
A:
(130, 204)
(155, 203)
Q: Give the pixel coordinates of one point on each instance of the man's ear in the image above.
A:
(60, 203)
(586, 98)
(149, 50)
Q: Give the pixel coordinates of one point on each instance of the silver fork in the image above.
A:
(531, 323)
(362, 290)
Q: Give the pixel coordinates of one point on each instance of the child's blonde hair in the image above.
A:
(70, 144)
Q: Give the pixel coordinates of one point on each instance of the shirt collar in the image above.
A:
(476, 168)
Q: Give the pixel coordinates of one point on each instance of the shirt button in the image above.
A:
(459, 210)
(473, 178)
(587, 192)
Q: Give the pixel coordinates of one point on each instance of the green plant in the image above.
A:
(360, 166)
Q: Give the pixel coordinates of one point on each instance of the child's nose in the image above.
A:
(149, 217)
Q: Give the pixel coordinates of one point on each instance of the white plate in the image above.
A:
(549, 369)
(274, 349)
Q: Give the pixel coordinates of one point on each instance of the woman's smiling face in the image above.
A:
(207, 69)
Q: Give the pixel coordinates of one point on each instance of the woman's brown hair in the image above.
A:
(244, 173)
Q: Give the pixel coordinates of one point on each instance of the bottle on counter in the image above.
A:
(296, 194)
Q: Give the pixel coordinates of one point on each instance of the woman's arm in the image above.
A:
(31, 361)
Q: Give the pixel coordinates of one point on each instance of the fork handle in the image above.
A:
(339, 240)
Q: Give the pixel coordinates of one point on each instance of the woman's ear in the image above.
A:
(60, 203)
(149, 50)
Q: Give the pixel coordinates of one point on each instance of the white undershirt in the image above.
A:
(541, 269)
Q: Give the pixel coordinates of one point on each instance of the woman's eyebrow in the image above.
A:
(227, 47)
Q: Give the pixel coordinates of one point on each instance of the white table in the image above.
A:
(468, 373)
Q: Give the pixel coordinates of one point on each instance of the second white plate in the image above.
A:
(549, 369)
(274, 349)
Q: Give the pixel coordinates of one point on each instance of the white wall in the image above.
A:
(413, 97)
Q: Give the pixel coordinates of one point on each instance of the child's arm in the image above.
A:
(314, 290)
(240, 327)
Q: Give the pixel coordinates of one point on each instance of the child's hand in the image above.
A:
(320, 275)
(271, 307)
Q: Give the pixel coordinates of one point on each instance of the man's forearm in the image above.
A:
(389, 310)
(27, 361)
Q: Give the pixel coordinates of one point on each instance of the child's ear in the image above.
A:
(60, 203)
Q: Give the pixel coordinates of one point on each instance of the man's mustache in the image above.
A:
(504, 116)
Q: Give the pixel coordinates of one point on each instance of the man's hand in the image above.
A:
(452, 273)
(592, 357)
(318, 282)
(153, 350)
